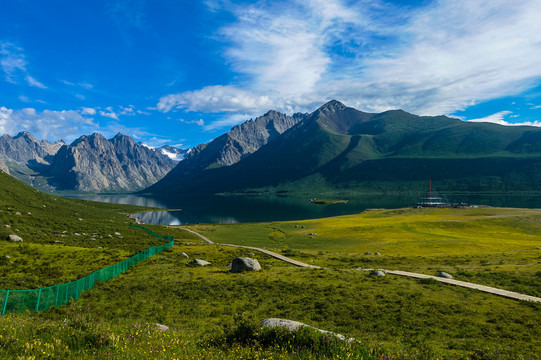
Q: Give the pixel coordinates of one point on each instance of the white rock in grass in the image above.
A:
(378, 273)
(18, 213)
(184, 255)
(200, 262)
(445, 275)
(15, 238)
(296, 325)
(162, 327)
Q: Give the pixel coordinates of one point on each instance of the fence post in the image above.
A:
(37, 302)
(5, 303)
(56, 297)
(22, 302)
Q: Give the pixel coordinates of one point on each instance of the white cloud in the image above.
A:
(199, 122)
(127, 110)
(13, 63)
(88, 111)
(216, 99)
(34, 82)
(437, 58)
(498, 118)
(47, 124)
(109, 113)
(228, 121)
(83, 85)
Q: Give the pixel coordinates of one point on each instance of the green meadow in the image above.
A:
(214, 314)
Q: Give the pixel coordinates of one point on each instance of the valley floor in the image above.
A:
(214, 314)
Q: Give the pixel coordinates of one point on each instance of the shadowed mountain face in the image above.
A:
(337, 148)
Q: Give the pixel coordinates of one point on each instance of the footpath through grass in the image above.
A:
(490, 246)
(214, 313)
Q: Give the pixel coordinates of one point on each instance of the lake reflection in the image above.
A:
(234, 209)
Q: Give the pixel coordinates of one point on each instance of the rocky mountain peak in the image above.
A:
(332, 106)
(27, 136)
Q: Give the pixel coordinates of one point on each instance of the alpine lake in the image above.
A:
(219, 209)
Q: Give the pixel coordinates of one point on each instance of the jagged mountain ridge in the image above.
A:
(341, 148)
(240, 142)
(90, 163)
(26, 150)
(94, 163)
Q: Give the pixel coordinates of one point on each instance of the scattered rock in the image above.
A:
(368, 253)
(44, 206)
(64, 232)
(241, 264)
(162, 327)
(296, 325)
(313, 234)
(296, 226)
(184, 255)
(200, 262)
(117, 233)
(15, 238)
(80, 219)
(8, 257)
(58, 241)
(76, 234)
(377, 253)
(18, 213)
(29, 213)
(7, 226)
(445, 275)
(377, 273)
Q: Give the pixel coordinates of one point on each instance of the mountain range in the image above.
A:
(334, 149)
(339, 148)
(91, 163)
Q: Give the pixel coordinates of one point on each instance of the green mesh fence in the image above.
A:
(56, 295)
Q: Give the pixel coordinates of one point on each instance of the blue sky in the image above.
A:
(183, 72)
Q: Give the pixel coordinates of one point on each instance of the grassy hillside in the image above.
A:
(214, 314)
(338, 149)
(63, 239)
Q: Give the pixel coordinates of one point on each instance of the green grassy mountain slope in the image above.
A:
(337, 147)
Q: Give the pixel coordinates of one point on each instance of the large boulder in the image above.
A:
(200, 262)
(295, 325)
(377, 273)
(16, 238)
(241, 264)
